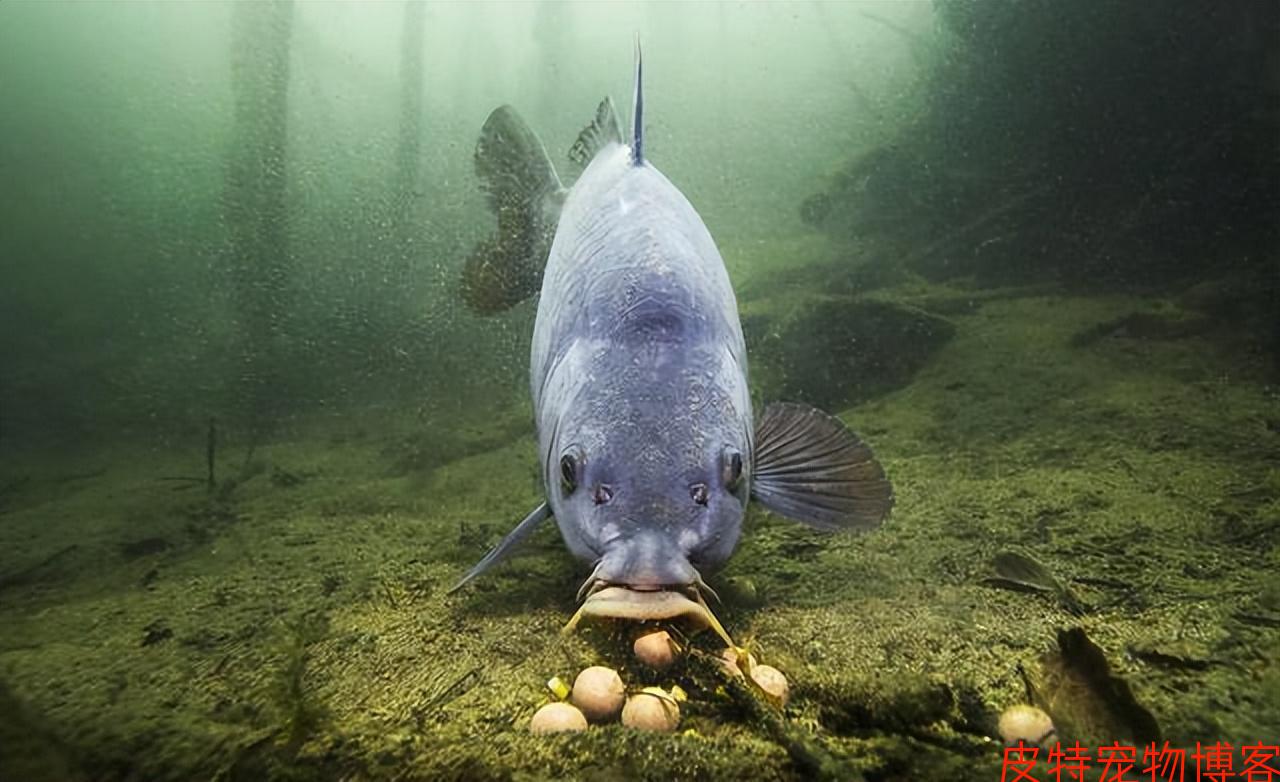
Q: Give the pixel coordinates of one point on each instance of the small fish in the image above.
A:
(639, 376)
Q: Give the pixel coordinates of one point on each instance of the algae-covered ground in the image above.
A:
(293, 623)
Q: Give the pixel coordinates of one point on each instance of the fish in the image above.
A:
(648, 445)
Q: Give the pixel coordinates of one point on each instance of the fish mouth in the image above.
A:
(646, 603)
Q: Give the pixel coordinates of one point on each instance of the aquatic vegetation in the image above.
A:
(301, 713)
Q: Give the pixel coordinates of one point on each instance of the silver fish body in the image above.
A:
(638, 372)
(639, 380)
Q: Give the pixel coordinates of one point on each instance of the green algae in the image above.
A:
(312, 636)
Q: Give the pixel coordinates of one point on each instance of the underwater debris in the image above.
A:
(31, 747)
(1256, 619)
(331, 583)
(1024, 574)
(210, 454)
(283, 479)
(442, 691)
(1087, 703)
(1168, 659)
(208, 479)
(184, 481)
(302, 714)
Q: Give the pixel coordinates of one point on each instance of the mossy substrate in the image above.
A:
(297, 625)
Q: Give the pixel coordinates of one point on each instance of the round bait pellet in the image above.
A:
(599, 692)
(557, 717)
(645, 711)
(1026, 724)
(655, 649)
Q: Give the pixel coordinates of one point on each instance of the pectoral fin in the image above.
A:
(811, 468)
(504, 548)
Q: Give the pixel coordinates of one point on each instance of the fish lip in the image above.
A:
(643, 603)
(621, 601)
(647, 603)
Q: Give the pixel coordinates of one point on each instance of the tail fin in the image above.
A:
(525, 195)
(637, 112)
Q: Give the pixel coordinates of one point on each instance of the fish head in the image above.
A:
(651, 473)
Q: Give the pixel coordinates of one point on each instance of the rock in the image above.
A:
(839, 351)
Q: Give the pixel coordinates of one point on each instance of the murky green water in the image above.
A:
(251, 432)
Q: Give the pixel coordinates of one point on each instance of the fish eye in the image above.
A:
(699, 493)
(569, 464)
(732, 468)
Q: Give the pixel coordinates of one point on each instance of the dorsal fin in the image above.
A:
(637, 112)
(594, 137)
